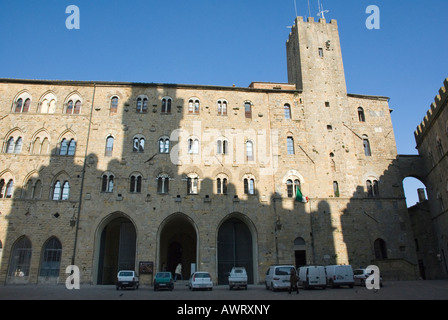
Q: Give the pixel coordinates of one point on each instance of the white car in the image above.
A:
(127, 279)
(200, 280)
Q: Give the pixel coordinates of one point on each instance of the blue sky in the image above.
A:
(230, 42)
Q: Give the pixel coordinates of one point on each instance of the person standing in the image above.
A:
(293, 279)
(178, 272)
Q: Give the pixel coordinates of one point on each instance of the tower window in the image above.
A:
(361, 115)
(290, 145)
(321, 52)
(287, 110)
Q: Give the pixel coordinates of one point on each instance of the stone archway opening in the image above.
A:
(178, 244)
(235, 249)
(117, 249)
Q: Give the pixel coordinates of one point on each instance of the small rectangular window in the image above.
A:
(321, 52)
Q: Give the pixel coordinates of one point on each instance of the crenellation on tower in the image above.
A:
(432, 113)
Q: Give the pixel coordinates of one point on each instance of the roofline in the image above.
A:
(364, 96)
(143, 84)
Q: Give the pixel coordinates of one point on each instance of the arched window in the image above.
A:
(380, 249)
(166, 105)
(51, 258)
(290, 145)
(249, 151)
(142, 104)
(361, 115)
(65, 193)
(18, 145)
(372, 188)
(64, 147)
(193, 146)
(57, 189)
(249, 186)
(136, 184)
(164, 145)
(10, 145)
(222, 146)
(163, 183)
(222, 107)
(9, 188)
(69, 109)
(19, 105)
(336, 189)
(139, 144)
(21, 251)
(221, 185)
(248, 110)
(114, 105)
(107, 183)
(289, 188)
(71, 147)
(192, 184)
(193, 106)
(366, 145)
(26, 106)
(109, 146)
(77, 109)
(287, 110)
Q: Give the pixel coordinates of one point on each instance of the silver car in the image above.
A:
(200, 280)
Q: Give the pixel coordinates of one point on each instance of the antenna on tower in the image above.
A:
(322, 12)
(295, 6)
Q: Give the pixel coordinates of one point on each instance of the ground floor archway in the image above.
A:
(117, 248)
(178, 244)
(235, 248)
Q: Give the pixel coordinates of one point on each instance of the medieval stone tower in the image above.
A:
(110, 175)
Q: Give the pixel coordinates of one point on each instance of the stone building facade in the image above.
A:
(111, 175)
(431, 137)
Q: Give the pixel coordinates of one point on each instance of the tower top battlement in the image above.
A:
(439, 102)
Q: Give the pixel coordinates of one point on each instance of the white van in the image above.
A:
(277, 277)
(340, 275)
(312, 277)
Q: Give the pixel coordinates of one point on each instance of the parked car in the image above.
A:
(163, 280)
(127, 279)
(339, 275)
(238, 278)
(360, 276)
(277, 277)
(312, 277)
(200, 280)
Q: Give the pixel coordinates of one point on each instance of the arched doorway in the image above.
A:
(299, 252)
(178, 244)
(234, 249)
(117, 249)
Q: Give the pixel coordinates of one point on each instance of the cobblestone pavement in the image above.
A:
(392, 290)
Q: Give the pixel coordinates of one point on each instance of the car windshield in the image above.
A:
(358, 272)
(238, 271)
(202, 275)
(126, 274)
(282, 271)
(163, 275)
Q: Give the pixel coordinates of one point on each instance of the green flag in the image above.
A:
(299, 196)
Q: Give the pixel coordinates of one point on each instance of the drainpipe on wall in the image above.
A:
(76, 220)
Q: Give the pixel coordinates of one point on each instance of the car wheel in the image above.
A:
(266, 284)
